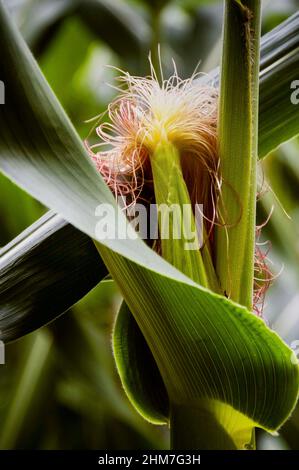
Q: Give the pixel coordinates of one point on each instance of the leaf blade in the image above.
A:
(42, 275)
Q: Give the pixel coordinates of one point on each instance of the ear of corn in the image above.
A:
(217, 361)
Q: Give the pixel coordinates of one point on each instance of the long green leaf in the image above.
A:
(279, 117)
(45, 270)
(280, 41)
(209, 350)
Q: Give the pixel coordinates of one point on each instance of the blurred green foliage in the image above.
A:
(59, 388)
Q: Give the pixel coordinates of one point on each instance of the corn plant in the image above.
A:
(190, 348)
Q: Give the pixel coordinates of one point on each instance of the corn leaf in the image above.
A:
(275, 89)
(44, 283)
(138, 370)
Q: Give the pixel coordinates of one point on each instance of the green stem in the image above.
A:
(210, 425)
(203, 427)
(238, 127)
